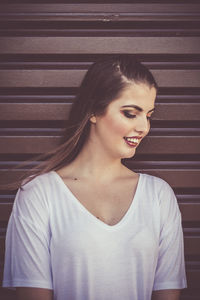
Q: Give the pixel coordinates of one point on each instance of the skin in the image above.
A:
(166, 295)
(122, 120)
(24, 293)
(99, 166)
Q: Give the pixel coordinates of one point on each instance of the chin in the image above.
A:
(130, 154)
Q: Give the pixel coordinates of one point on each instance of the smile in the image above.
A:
(132, 141)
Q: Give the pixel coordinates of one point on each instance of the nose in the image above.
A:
(142, 125)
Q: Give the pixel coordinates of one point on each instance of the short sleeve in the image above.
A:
(170, 271)
(27, 257)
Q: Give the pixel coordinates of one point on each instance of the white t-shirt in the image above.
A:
(54, 242)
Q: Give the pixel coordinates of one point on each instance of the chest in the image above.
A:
(73, 227)
(107, 203)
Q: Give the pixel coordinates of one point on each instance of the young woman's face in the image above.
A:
(126, 121)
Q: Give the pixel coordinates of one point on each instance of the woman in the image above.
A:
(86, 227)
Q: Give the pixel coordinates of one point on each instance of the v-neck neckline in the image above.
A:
(91, 215)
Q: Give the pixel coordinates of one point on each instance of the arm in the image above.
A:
(166, 295)
(27, 259)
(24, 293)
(170, 271)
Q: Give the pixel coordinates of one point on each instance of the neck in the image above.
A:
(93, 163)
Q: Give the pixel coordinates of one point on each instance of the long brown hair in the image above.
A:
(103, 83)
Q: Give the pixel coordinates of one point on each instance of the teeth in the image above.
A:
(133, 140)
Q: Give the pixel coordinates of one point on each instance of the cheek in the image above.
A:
(117, 126)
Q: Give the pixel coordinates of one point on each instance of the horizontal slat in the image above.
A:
(150, 145)
(92, 8)
(183, 178)
(170, 145)
(73, 78)
(190, 212)
(102, 17)
(180, 111)
(99, 45)
(192, 245)
(101, 12)
(148, 31)
(5, 210)
(193, 278)
(60, 111)
(34, 111)
(27, 144)
(41, 78)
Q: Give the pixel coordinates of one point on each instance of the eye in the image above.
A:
(128, 114)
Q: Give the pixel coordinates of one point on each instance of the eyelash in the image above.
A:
(130, 116)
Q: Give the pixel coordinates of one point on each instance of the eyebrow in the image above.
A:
(138, 108)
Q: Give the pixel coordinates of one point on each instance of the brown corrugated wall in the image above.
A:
(46, 48)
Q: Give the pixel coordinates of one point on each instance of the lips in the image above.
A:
(132, 141)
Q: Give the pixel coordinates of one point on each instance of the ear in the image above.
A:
(93, 119)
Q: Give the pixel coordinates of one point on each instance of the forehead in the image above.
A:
(136, 94)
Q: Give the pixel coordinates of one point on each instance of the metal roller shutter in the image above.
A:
(46, 48)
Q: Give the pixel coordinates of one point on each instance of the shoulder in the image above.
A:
(162, 192)
(155, 183)
(159, 189)
(35, 193)
(40, 181)
(41, 185)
